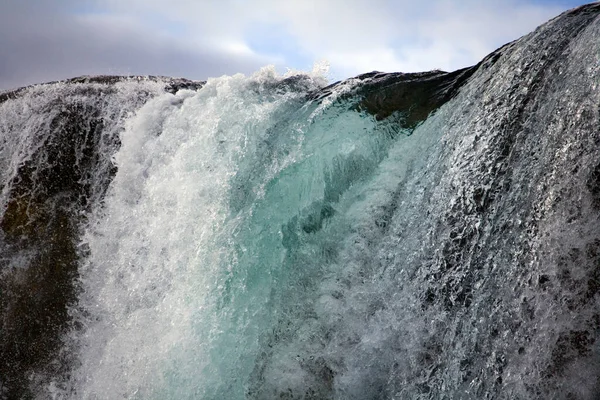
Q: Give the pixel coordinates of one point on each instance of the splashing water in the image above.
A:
(254, 244)
(268, 237)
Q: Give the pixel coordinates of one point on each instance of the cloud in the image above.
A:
(40, 42)
(361, 35)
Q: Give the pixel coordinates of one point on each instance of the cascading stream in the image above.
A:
(56, 143)
(401, 236)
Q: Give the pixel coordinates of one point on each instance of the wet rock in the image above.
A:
(46, 205)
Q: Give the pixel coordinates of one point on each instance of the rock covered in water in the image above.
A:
(460, 262)
(55, 160)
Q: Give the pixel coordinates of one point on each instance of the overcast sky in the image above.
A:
(44, 40)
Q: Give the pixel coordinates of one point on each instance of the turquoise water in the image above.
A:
(223, 227)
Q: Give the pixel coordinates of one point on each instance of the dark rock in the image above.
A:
(414, 95)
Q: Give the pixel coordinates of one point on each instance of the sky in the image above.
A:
(47, 40)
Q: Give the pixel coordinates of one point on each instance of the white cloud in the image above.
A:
(207, 38)
(360, 35)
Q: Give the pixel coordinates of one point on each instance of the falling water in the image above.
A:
(267, 237)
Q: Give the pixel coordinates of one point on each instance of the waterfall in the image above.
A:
(392, 236)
